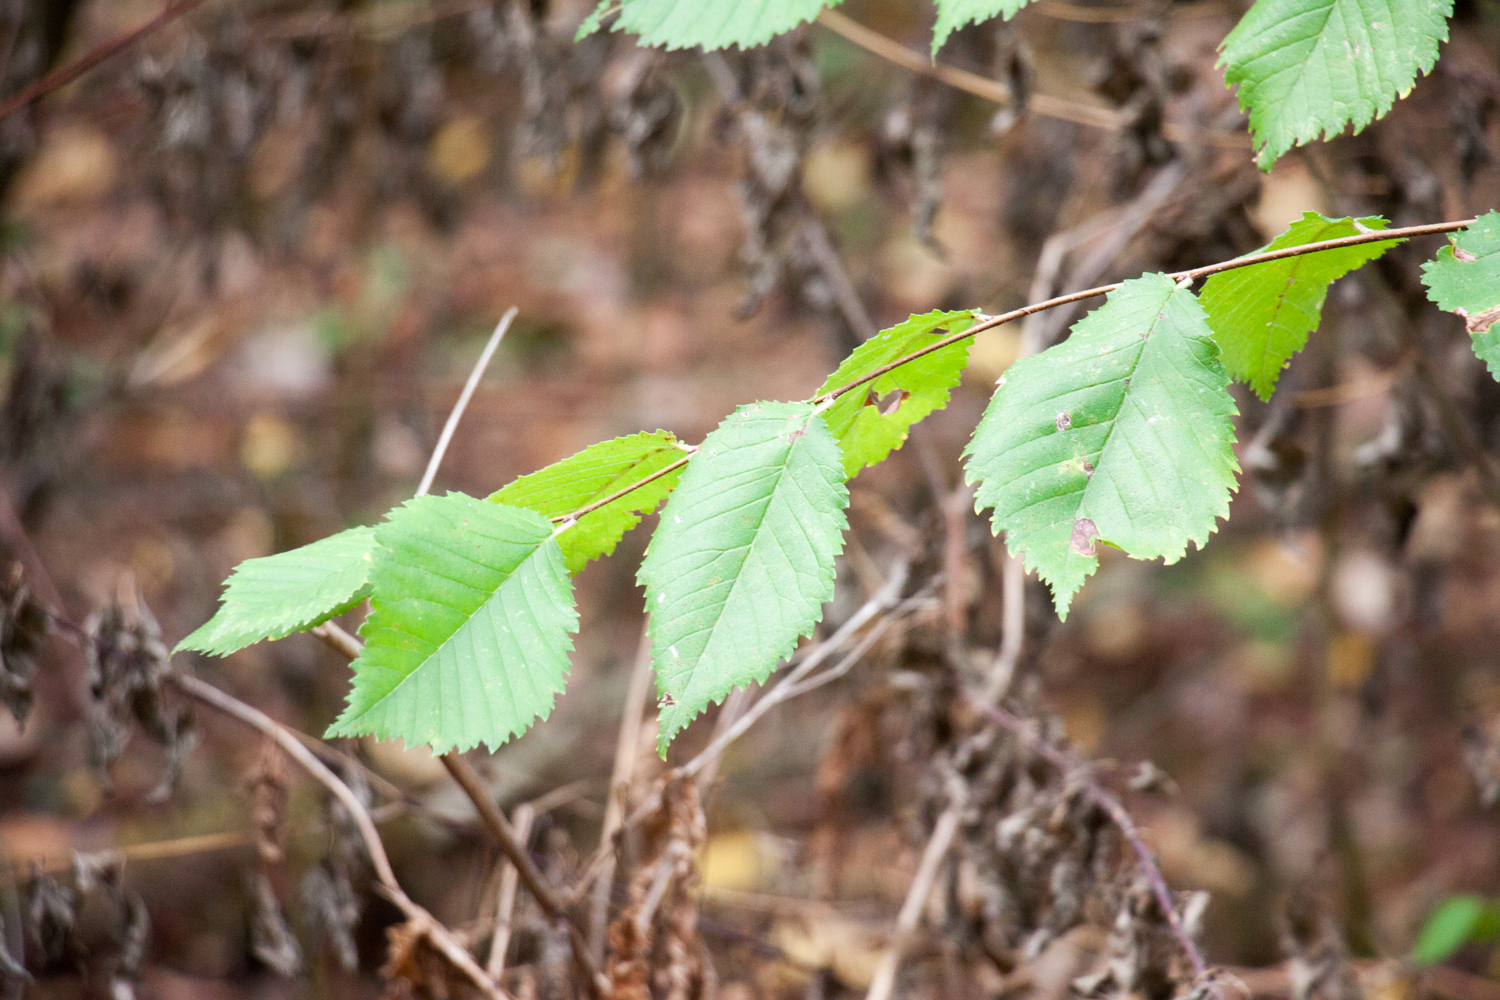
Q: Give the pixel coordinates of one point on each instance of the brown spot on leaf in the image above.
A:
(799, 432)
(1088, 468)
(1084, 533)
(1459, 253)
(1479, 322)
(1064, 421)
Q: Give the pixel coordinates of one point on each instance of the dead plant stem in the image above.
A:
(64, 75)
(419, 918)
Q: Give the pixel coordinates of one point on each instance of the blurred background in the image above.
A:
(246, 266)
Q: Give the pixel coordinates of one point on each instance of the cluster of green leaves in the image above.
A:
(1120, 436)
(1304, 68)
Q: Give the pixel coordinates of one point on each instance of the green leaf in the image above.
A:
(598, 471)
(1457, 921)
(468, 638)
(868, 430)
(713, 24)
(954, 14)
(274, 596)
(1261, 314)
(742, 563)
(1464, 278)
(1122, 434)
(1310, 67)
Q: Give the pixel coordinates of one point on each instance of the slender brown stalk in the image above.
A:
(424, 922)
(511, 845)
(505, 909)
(531, 876)
(993, 90)
(64, 75)
(617, 494)
(1190, 276)
(990, 322)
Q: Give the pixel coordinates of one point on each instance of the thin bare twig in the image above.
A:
(1075, 771)
(886, 598)
(884, 980)
(786, 688)
(64, 75)
(989, 323)
(1190, 276)
(993, 90)
(511, 845)
(536, 883)
(505, 908)
(463, 400)
(627, 752)
(419, 918)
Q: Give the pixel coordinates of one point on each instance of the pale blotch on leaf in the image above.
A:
(1084, 534)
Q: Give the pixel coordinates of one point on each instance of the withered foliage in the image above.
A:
(24, 624)
(88, 922)
(656, 951)
(331, 911)
(267, 791)
(128, 665)
(415, 970)
(1318, 954)
(271, 940)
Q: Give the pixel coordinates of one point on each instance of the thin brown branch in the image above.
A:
(1075, 771)
(993, 90)
(536, 883)
(511, 845)
(617, 494)
(419, 918)
(1190, 276)
(990, 322)
(64, 75)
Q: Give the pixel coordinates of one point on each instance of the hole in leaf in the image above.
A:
(891, 402)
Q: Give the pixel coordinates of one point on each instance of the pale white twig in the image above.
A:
(505, 908)
(627, 752)
(884, 980)
(463, 401)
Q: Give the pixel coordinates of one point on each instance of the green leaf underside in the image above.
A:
(468, 639)
(1457, 921)
(1464, 278)
(592, 474)
(1121, 434)
(954, 14)
(274, 596)
(1261, 314)
(865, 434)
(713, 24)
(1310, 67)
(743, 561)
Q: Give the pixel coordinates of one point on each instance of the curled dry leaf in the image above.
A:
(127, 663)
(24, 624)
(332, 910)
(267, 792)
(271, 940)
